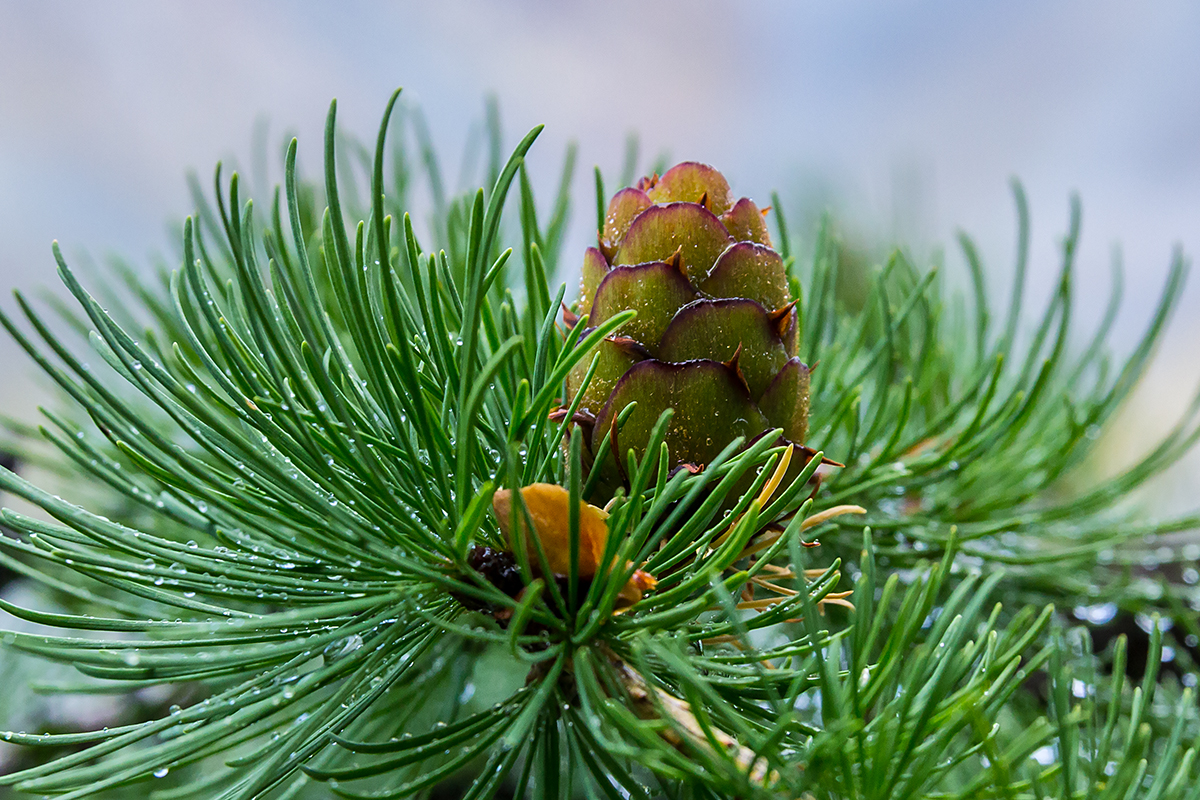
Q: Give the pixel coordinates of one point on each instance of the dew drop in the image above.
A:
(1097, 614)
(342, 647)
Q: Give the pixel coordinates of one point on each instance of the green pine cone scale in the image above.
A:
(712, 407)
(688, 229)
(752, 271)
(733, 330)
(657, 291)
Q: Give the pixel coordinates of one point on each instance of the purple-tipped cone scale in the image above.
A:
(746, 223)
(716, 334)
(595, 267)
(657, 291)
(686, 230)
(712, 407)
(622, 209)
(752, 271)
(719, 330)
(691, 182)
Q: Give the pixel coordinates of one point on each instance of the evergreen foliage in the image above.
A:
(297, 437)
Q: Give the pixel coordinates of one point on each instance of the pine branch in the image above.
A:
(300, 435)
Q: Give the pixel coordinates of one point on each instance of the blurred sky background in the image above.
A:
(907, 119)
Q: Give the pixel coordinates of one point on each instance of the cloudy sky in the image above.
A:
(906, 118)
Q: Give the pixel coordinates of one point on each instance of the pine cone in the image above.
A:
(716, 333)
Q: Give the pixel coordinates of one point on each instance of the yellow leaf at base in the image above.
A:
(549, 508)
